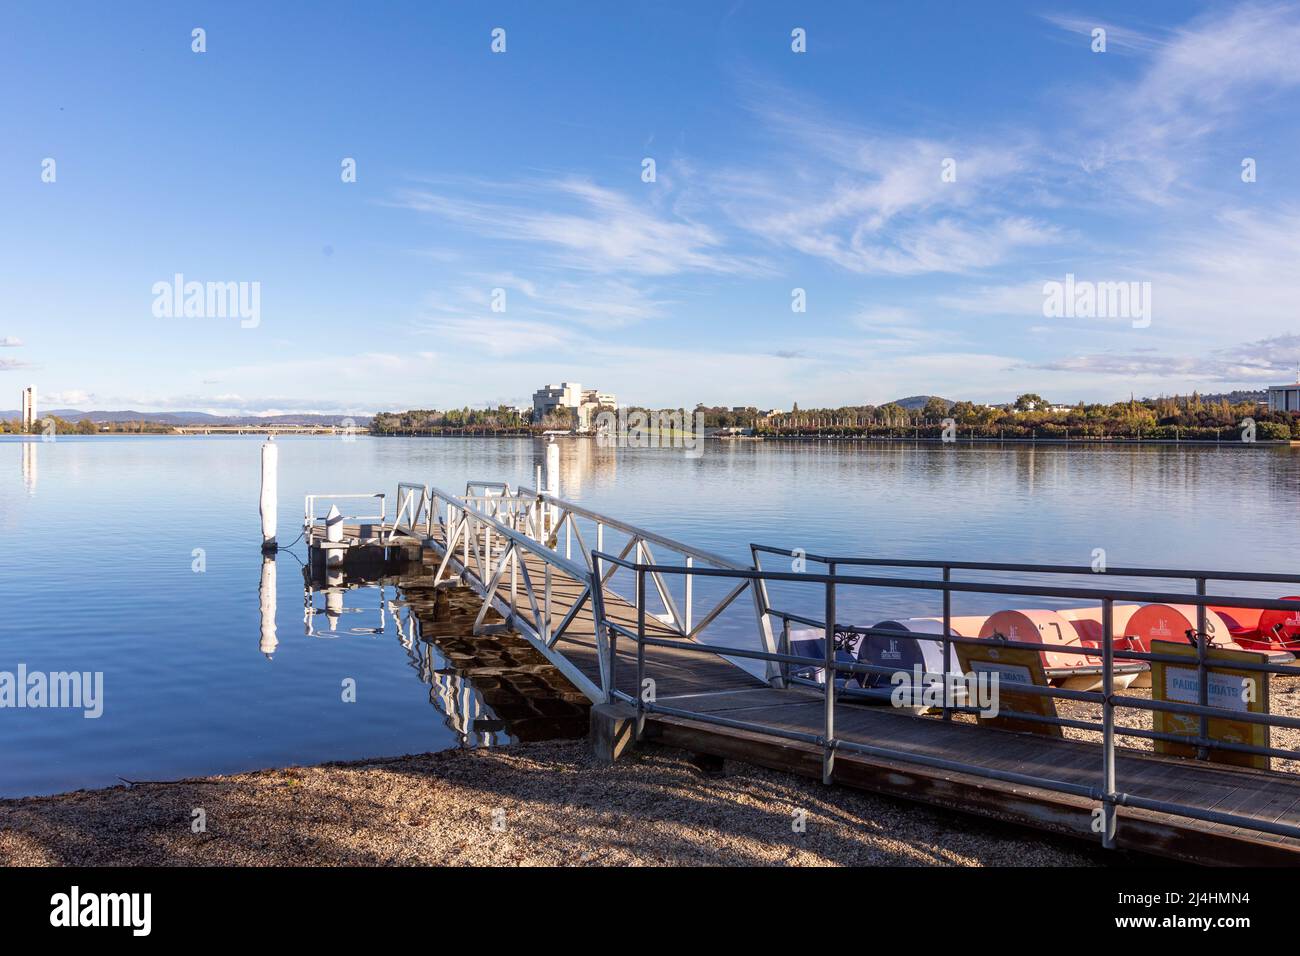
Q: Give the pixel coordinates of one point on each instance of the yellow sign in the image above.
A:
(1013, 665)
(1229, 688)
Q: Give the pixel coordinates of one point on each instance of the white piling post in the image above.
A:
(266, 600)
(267, 505)
(539, 516)
(553, 477)
(333, 535)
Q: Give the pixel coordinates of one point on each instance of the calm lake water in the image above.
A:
(97, 542)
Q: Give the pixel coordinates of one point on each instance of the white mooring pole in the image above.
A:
(539, 516)
(267, 505)
(553, 477)
(334, 535)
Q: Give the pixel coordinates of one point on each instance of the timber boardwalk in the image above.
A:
(548, 568)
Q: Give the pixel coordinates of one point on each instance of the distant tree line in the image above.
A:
(1189, 418)
(62, 426)
(423, 421)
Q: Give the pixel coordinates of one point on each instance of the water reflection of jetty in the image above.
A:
(490, 691)
(334, 608)
(487, 685)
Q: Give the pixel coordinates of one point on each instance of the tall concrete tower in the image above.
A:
(29, 408)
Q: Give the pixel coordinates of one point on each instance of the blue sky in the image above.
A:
(522, 171)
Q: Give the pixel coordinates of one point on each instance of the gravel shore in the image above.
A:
(544, 804)
(538, 804)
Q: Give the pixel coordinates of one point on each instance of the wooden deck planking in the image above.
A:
(1197, 785)
(1139, 773)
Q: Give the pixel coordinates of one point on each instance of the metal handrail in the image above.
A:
(1150, 597)
(406, 491)
(501, 486)
(484, 534)
(1107, 793)
(569, 567)
(627, 528)
(490, 548)
(1263, 577)
(309, 507)
(683, 618)
(1071, 650)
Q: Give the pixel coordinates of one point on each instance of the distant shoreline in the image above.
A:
(897, 440)
(1082, 442)
(797, 439)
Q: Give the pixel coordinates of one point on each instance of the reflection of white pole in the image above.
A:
(29, 466)
(334, 596)
(553, 476)
(266, 598)
(270, 462)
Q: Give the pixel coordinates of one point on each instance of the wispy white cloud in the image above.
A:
(1261, 362)
(1138, 135)
(1119, 39)
(596, 229)
(877, 203)
(604, 301)
(1235, 270)
(379, 376)
(1216, 65)
(71, 398)
(901, 328)
(943, 245)
(499, 336)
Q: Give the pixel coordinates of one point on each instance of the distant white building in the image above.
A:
(551, 397)
(572, 395)
(29, 408)
(1284, 398)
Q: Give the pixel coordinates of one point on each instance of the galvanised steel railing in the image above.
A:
(1105, 793)
(490, 537)
(1201, 578)
(640, 543)
(412, 508)
(309, 517)
(491, 532)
